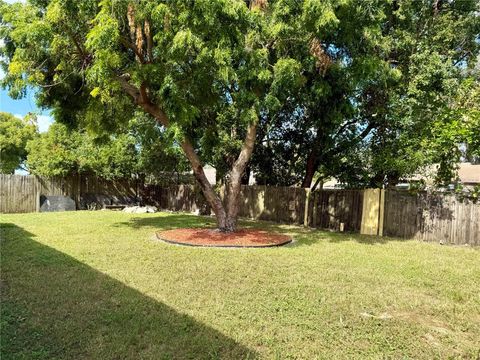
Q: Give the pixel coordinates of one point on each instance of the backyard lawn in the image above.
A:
(97, 285)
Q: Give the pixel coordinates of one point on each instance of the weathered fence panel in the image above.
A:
(431, 217)
(252, 200)
(21, 193)
(283, 204)
(339, 210)
(176, 198)
(18, 195)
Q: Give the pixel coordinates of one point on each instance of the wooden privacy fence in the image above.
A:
(438, 218)
(21, 193)
(431, 217)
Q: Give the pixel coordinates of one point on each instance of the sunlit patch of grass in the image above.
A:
(97, 285)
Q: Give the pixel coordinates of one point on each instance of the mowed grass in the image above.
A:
(97, 285)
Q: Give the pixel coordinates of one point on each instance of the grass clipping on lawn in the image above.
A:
(93, 285)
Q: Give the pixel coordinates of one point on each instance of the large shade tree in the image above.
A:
(341, 59)
(434, 45)
(207, 71)
(193, 66)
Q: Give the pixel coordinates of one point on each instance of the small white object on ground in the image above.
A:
(140, 209)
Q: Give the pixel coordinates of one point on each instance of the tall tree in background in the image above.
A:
(14, 136)
(338, 44)
(139, 151)
(434, 45)
(388, 91)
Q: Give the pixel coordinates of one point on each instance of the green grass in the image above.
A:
(96, 285)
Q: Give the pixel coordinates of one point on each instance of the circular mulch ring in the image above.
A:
(244, 238)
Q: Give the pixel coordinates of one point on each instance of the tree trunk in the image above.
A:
(212, 198)
(310, 170)
(235, 179)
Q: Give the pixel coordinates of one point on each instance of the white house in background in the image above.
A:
(331, 183)
(469, 174)
(210, 173)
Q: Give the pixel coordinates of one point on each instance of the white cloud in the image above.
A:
(44, 122)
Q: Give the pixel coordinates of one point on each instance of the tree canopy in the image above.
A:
(14, 135)
(141, 151)
(388, 106)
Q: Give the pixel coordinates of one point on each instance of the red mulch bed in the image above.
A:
(213, 238)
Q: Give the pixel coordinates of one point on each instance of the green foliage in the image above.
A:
(427, 115)
(139, 151)
(332, 78)
(207, 67)
(14, 135)
(398, 94)
(56, 152)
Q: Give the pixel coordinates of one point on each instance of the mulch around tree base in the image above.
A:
(212, 238)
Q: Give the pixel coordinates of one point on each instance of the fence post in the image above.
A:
(37, 201)
(314, 211)
(261, 202)
(307, 201)
(370, 212)
(381, 212)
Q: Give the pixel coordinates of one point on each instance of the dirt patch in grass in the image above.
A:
(214, 238)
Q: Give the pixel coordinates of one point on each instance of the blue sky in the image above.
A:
(22, 107)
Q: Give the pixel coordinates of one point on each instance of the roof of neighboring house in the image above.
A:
(469, 173)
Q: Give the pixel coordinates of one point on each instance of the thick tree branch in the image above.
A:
(148, 35)
(131, 22)
(129, 45)
(136, 35)
(345, 145)
(236, 173)
(315, 156)
(343, 127)
(141, 98)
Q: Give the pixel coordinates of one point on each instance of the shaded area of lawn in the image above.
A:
(176, 220)
(61, 308)
(97, 285)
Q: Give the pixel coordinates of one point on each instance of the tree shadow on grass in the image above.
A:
(303, 236)
(169, 221)
(54, 306)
